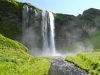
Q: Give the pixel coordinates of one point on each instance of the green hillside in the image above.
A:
(15, 61)
(87, 61)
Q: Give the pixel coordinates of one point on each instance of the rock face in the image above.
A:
(10, 22)
(92, 12)
(69, 29)
(9, 18)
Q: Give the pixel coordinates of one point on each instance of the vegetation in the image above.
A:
(9, 44)
(15, 8)
(87, 61)
(9, 30)
(61, 18)
(15, 61)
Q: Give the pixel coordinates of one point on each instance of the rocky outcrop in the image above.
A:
(7, 18)
(92, 12)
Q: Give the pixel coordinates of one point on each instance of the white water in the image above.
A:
(48, 32)
(44, 30)
(29, 20)
(52, 42)
(25, 18)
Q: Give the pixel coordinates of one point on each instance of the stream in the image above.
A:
(61, 67)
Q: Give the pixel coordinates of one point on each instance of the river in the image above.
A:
(61, 67)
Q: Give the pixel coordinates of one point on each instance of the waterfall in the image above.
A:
(52, 42)
(29, 16)
(25, 18)
(44, 30)
(48, 32)
(31, 22)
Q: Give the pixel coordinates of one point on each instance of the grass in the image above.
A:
(6, 43)
(15, 61)
(13, 30)
(63, 19)
(87, 61)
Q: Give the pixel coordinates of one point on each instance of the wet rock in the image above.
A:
(61, 67)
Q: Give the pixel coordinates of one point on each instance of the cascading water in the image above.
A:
(29, 16)
(48, 32)
(52, 42)
(24, 18)
(44, 30)
(30, 20)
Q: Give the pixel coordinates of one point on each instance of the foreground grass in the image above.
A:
(87, 61)
(15, 61)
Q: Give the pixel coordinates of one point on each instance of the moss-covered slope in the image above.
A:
(87, 61)
(6, 43)
(15, 61)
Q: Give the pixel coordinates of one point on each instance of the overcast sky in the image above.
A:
(73, 7)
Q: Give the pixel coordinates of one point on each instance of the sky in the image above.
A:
(72, 7)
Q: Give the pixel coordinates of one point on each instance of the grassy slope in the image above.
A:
(87, 61)
(15, 61)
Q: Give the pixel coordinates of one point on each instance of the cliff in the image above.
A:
(11, 18)
(69, 29)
